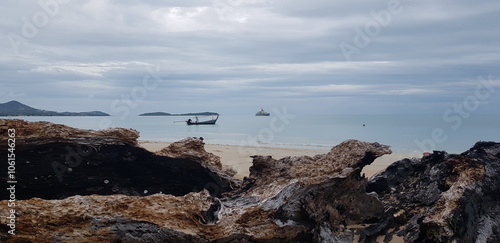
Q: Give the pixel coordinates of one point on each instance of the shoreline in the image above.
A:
(239, 158)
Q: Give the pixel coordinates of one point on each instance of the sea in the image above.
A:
(410, 134)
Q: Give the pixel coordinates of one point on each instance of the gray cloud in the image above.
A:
(238, 56)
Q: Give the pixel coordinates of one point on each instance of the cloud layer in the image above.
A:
(235, 56)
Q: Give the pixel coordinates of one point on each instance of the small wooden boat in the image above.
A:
(208, 122)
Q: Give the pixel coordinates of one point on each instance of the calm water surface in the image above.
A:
(404, 133)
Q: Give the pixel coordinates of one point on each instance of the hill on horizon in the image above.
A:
(16, 108)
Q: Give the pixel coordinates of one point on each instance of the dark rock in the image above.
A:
(444, 198)
(56, 161)
(318, 196)
(143, 232)
(438, 198)
(295, 199)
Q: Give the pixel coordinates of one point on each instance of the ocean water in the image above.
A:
(404, 133)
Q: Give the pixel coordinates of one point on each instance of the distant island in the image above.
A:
(15, 108)
(184, 114)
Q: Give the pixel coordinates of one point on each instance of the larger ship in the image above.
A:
(262, 113)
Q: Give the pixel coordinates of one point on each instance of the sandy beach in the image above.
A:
(239, 157)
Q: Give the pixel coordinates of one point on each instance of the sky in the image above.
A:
(238, 56)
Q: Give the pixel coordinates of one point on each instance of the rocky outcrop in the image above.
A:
(56, 161)
(295, 199)
(437, 198)
(442, 197)
(114, 218)
(314, 196)
(39, 133)
(193, 149)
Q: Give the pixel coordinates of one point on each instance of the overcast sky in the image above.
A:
(236, 56)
